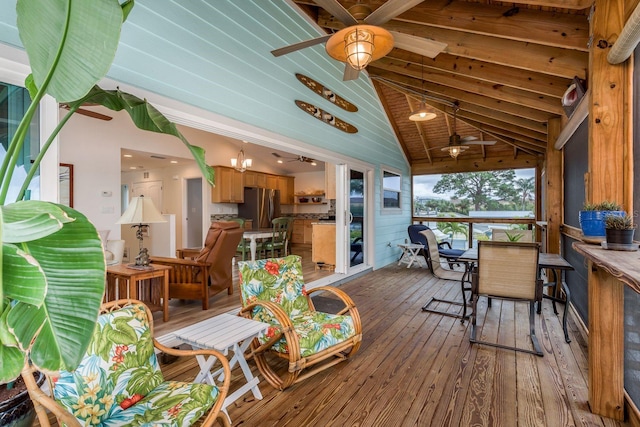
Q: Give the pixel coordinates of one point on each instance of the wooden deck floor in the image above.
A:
(419, 369)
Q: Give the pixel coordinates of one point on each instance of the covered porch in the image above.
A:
(418, 368)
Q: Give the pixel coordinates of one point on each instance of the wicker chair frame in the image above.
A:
(313, 364)
(43, 402)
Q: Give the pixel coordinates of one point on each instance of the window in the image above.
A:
(391, 183)
(14, 102)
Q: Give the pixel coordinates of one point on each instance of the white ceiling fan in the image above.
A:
(363, 40)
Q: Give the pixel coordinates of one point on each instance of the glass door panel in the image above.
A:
(356, 218)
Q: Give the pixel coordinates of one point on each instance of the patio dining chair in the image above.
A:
(435, 265)
(507, 270)
(273, 291)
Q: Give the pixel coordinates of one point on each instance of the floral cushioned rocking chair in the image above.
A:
(119, 382)
(273, 291)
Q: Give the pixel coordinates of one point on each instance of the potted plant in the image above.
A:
(619, 229)
(592, 218)
(52, 273)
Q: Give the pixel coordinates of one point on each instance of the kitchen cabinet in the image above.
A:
(229, 187)
(255, 179)
(285, 185)
(330, 180)
(302, 231)
(323, 247)
(272, 182)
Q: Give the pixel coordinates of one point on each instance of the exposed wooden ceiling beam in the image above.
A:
(462, 96)
(502, 93)
(537, 83)
(473, 164)
(567, 31)
(517, 54)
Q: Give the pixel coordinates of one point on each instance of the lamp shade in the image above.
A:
(141, 210)
(423, 114)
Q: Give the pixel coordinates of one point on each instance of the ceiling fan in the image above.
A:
(363, 40)
(459, 144)
(88, 113)
(301, 159)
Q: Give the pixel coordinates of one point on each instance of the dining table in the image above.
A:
(253, 236)
(554, 262)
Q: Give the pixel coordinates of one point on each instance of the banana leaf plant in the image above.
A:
(52, 273)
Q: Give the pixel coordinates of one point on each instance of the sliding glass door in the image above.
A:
(356, 208)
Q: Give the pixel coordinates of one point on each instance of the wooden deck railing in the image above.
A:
(529, 222)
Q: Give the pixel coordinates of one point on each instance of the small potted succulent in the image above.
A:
(592, 217)
(619, 229)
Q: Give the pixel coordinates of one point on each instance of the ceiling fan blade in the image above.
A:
(276, 155)
(419, 45)
(88, 113)
(390, 10)
(468, 138)
(350, 73)
(300, 45)
(337, 10)
(480, 142)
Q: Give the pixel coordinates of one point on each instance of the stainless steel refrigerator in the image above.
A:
(261, 205)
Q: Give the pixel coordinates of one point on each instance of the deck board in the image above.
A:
(418, 369)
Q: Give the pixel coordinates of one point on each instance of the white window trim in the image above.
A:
(383, 209)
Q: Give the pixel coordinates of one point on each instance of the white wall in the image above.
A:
(93, 147)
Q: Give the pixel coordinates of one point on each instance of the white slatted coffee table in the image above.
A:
(223, 333)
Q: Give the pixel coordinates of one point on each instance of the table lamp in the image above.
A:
(140, 212)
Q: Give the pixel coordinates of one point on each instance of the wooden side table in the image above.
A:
(133, 277)
(410, 254)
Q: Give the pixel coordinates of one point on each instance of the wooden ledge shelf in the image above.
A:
(623, 265)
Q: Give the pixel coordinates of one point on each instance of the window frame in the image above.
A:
(390, 209)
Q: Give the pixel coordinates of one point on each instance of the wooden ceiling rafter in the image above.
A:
(507, 66)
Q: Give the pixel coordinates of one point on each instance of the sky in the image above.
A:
(423, 184)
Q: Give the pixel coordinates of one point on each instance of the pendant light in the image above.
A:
(423, 114)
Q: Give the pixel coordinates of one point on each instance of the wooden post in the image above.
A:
(607, 181)
(554, 188)
(606, 344)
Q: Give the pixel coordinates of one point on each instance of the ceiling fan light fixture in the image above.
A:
(359, 48)
(358, 45)
(423, 114)
(454, 151)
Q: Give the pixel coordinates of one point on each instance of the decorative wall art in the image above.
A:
(326, 117)
(326, 93)
(65, 181)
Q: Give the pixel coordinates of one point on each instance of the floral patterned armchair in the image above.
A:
(273, 291)
(119, 381)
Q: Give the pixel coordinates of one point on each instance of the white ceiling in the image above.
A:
(140, 160)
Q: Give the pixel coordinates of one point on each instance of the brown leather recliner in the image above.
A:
(210, 270)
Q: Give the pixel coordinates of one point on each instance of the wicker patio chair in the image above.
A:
(507, 270)
(119, 382)
(273, 291)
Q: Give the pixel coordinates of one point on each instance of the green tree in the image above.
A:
(477, 187)
(525, 188)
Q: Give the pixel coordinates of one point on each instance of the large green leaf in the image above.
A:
(22, 277)
(76, 39)
(146, 117)
(12, 363)
(73, 262)
(31, 220)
